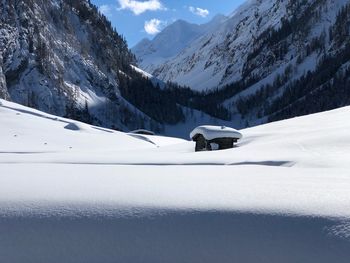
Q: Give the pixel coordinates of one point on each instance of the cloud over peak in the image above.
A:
(199, 11)
(139, 7)
(153, 26)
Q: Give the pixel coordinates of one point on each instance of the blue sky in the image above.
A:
(136, 19)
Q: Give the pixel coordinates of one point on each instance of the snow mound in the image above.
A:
(23, 129)
(75, 127)
(141, 137)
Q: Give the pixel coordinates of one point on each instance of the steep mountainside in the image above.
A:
(271, 60)
(65, 58)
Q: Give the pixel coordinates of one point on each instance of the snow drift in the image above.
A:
(97, 195)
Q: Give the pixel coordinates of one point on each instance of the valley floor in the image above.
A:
(70, 192)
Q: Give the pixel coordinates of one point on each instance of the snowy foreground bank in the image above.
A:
(70, 192)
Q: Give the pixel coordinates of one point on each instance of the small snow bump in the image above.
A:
(73, 126)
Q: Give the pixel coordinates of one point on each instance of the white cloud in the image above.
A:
(139, 7)
(153, 26)
(106, 10)
(199, 11)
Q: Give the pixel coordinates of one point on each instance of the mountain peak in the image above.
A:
(218, 18)
(144, 42)
(173, 39)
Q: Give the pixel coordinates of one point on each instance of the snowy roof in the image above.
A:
(214, 132)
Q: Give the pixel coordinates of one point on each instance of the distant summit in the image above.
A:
(171, 41)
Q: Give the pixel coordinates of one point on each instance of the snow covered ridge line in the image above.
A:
(142, 72)
(155, 81)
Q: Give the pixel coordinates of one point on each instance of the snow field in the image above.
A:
(71, 192)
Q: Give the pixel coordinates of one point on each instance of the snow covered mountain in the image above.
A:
(73, 192)
(269, 59)
(172, 40)
(65, 58)
(218, 57)
(224, 55)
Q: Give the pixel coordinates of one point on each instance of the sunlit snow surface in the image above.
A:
(71, 192)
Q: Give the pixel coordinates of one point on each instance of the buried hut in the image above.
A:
(209, 138)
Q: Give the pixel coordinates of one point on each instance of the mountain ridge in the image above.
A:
(172, 40)
(268, 59)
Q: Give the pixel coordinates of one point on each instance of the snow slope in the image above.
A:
(27, 130)
(308, 152)
(76, 193)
